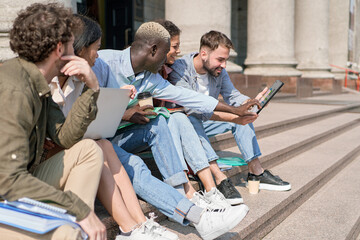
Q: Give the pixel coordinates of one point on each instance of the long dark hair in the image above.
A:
(91, 32)
(169, 26)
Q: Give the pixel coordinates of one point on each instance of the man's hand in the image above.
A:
(80, 68)
(240, 111)
(94, 228)
(229, 117)
(137, 114)
(245, 119)
(243, 110)
(132, 90)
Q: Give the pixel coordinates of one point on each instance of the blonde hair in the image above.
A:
(151, 31)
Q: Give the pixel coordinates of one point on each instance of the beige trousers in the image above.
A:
(77, 169)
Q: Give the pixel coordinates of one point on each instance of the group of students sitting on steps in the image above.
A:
(49, 95)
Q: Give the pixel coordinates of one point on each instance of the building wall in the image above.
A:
(154, 9)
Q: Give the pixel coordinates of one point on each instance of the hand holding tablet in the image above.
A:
(268, 95)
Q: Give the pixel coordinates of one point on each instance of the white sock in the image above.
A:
(181, 190)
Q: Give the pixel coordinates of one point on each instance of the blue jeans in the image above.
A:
(187, 142)
(244, 136)
(157, 135)
(159, 194)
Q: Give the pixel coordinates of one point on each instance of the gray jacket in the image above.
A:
(184, 75)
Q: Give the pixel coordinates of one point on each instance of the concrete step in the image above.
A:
(278, 147)
(291, 117)
(331, 213)
(307, 172)
(284, 145)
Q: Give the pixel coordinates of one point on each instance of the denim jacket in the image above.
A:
(119, 62)
(184, 75)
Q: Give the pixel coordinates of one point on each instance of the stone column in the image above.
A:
(338, 38)
(270, 49)
(312, 38)
(8, 12)
(195, 18)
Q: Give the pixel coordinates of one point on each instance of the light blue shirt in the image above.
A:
(184, 75)
(104, 75)
(119, 62)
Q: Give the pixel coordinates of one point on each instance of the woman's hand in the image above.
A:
(132, 90)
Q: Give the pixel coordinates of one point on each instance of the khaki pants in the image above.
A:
(77, 169)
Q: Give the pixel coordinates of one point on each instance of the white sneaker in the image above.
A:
(200, 200)
(216, 222)
(149, 230)
(158, 229)
(140, 234)
(217, 198)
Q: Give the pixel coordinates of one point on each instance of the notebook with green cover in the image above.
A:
(159, 110)
(232, 161)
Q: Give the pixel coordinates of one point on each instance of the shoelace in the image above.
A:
(200, 196)
(149, 228)
(218, 194)
(210, 206)
(230, 187)
(153, 226)
(275, 176)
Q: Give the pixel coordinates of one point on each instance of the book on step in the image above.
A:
(34, 216)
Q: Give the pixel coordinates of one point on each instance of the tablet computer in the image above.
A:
(268, 95)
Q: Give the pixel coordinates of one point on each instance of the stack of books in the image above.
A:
(34, 216)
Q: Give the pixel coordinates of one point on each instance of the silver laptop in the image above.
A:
(112, 103)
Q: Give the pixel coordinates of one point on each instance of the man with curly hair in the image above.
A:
(42, 36)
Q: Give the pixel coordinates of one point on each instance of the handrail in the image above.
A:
(346, 75)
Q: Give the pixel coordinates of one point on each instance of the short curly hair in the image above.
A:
(149, 31)
(39, 28)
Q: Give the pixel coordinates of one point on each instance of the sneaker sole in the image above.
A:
(220, 232)
(234, 201)
(271, 187)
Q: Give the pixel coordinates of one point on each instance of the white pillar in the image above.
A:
(195, 18)
(312, 38)
(270, 50)
(8, 12)
(356, 34)
(338, 36)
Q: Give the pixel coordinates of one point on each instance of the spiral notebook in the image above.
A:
(35, 216)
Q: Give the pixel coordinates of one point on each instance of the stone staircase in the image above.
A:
(313, 144)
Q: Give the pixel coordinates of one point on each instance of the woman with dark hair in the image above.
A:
(115, 189)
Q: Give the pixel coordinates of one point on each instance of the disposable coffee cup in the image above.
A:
(253, 185)
(145, 98)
